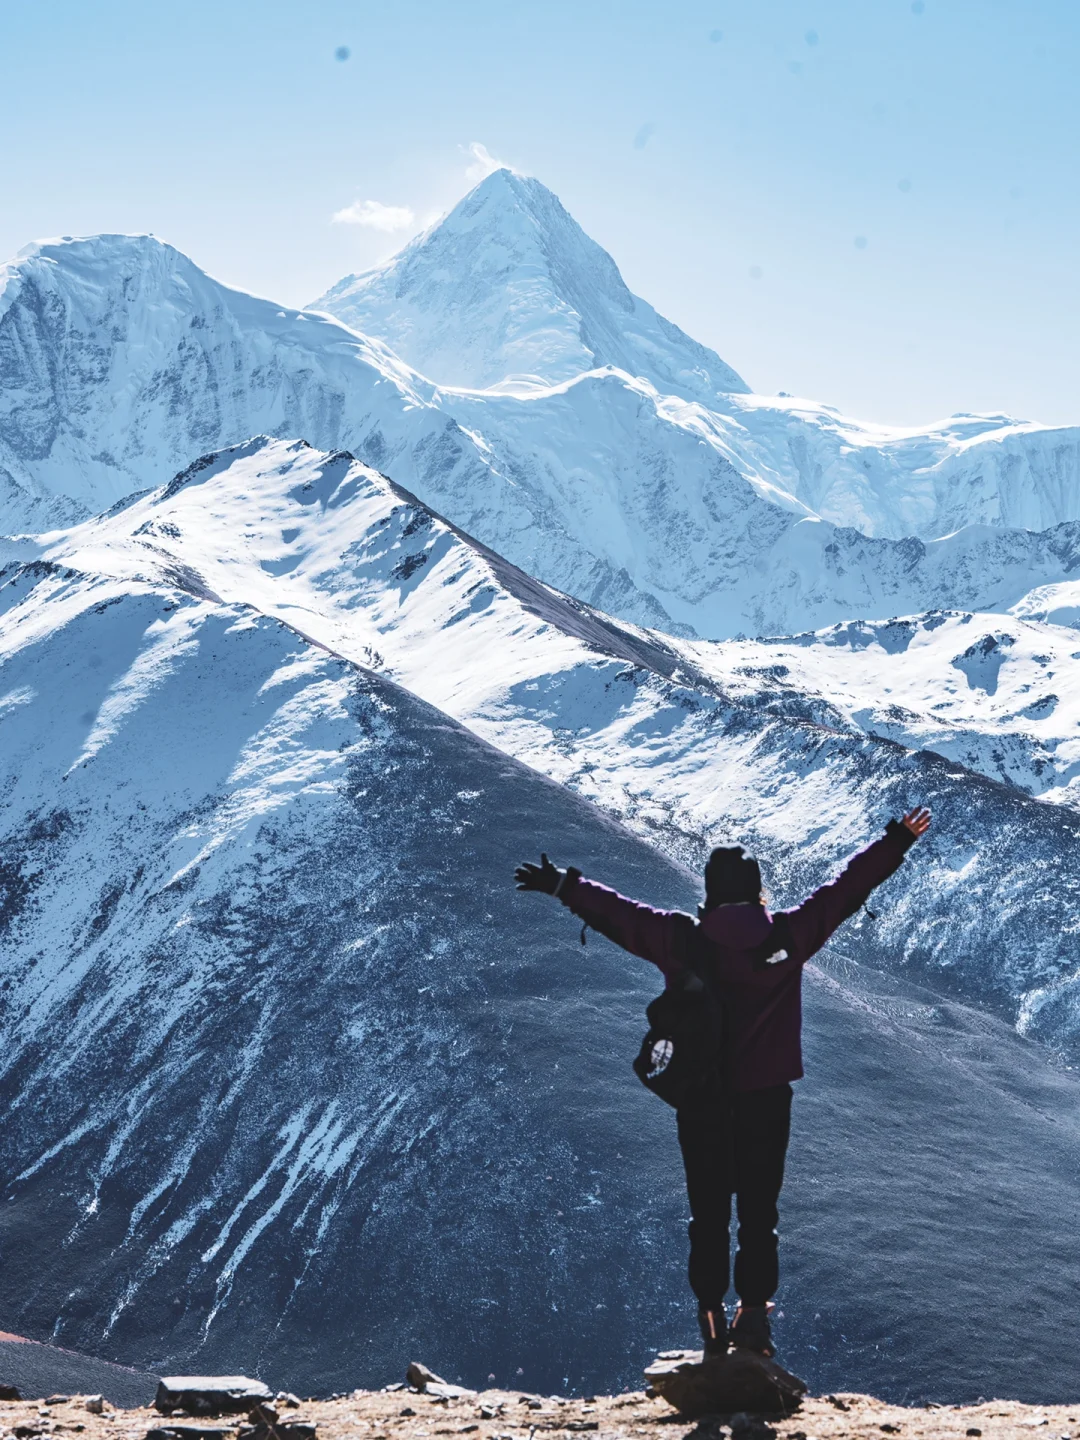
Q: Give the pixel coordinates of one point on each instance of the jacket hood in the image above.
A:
(740, 927)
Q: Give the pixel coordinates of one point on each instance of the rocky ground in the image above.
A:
(401, 1414)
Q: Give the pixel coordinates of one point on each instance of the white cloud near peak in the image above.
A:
(483, 163)
(374, 215)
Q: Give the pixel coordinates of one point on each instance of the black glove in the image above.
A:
(544, 877)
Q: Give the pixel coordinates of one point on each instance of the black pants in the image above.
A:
(735, 1146)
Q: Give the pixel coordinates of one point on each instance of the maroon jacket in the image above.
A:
(764, 1001)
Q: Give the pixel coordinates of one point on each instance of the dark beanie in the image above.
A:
(731, 877)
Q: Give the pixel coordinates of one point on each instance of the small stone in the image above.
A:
(95, 1404)
(535, 1404)
(971, 1430)
(287, 1399)
(58, 1400)
(488, 1412)
(10, 1392)
(408, 1410)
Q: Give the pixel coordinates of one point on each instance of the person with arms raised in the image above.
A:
(735, 975)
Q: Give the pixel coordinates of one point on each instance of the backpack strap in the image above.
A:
(776, 946)
(686, 948)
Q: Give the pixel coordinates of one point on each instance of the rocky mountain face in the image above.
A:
(121, 361)
(508, 287)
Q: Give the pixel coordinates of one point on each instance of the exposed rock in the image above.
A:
(731, 1384)
(284, 1430)
(421, 1378)
(209, 1394)
(95, 1404)
(189, 1432)
(9, 1392)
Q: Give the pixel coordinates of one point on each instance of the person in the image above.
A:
(733, 1128)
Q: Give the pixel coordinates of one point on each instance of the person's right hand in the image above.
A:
(544, 877)
(918, 821)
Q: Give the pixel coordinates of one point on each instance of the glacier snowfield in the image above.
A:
(313, 624)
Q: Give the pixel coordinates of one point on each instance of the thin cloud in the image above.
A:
(483, 163)
(374, 215)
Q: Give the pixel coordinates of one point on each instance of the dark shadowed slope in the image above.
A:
(38, 1371)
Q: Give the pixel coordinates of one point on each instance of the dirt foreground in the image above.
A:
(402, 1414)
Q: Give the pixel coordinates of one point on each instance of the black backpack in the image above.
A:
(686, 1052)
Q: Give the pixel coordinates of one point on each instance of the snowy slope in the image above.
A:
(508, 287)
(891, 482)
(998, 693)
(294, 1081)
(684, 742)
(656, 489)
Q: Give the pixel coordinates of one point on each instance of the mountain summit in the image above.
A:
(508, 287)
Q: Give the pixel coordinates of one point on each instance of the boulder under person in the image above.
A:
(733, 1131)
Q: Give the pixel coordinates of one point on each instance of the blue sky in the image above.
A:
(874, 203)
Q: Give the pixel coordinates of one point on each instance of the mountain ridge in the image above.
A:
(121, 359)
(196, 1163)
(650, 728)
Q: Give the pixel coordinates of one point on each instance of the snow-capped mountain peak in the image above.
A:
(509, 288)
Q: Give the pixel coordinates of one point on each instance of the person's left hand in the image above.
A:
(544, 877)
(917, 821)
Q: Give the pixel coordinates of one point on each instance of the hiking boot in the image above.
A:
(750, 1329)
(714, 1330)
